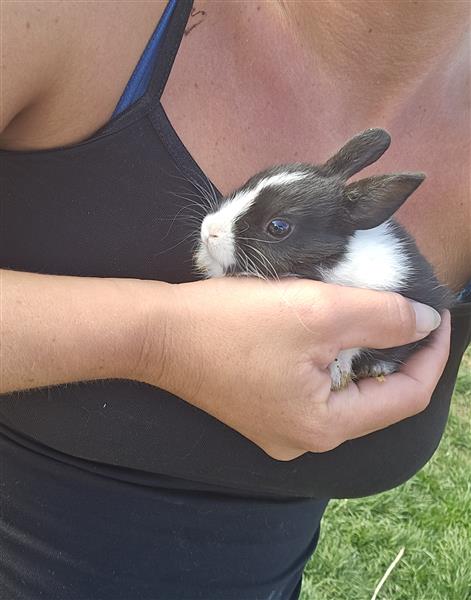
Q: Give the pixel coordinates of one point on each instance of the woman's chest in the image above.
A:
(234, 132)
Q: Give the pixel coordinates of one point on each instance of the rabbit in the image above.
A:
(307, 221)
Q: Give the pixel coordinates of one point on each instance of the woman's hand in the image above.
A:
(255, 355)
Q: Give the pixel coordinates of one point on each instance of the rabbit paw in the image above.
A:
(341, 369)
(377, 370)
(340, 380)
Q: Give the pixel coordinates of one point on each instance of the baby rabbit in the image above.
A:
(308, 221)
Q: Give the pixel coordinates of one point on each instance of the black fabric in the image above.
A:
(70, 532)
(115, 206)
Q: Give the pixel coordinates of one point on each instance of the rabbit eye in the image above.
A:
(279, 228)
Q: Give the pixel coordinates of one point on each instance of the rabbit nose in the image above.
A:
(210, 230)
(214, 231)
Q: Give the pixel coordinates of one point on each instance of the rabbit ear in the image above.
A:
(361, 151)
(369, 202)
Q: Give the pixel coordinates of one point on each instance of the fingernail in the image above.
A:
(426, 318)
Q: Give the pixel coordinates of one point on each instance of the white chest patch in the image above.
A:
(375, 259)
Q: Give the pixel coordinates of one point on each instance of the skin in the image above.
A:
(170, 335)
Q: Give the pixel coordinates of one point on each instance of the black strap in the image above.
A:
(169, 47)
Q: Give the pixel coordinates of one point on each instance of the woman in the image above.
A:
(125, 485)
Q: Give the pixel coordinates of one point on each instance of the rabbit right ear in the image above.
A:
(359, 152)
(371, 201)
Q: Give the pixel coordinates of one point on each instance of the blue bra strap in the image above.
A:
(137, 84)
(465, 294)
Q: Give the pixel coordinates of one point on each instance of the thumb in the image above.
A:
(372, 319)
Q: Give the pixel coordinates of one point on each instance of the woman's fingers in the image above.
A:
(370, 404)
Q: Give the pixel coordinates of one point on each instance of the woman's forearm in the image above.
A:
(56, 329)
(254, 354)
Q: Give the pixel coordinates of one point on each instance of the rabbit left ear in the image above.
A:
(359, 152)
(369, 202)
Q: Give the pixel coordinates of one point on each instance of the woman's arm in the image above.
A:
(254, 354)
(57, 329)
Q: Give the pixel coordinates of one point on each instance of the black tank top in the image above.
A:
(110, 207)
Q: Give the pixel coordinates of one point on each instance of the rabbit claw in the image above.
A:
(341, 382)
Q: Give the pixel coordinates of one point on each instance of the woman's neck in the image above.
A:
(402, 37)
(390, 49)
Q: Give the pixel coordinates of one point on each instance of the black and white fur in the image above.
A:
(339, 233)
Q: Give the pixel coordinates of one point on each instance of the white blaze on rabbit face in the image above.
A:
(217, 251)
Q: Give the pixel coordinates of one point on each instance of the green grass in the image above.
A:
(429, 516)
